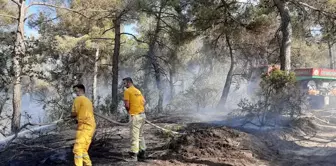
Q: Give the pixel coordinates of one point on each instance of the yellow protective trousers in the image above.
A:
(137, 138)
(83, 140)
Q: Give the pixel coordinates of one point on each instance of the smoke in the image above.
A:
(31, 110)
(198, 84)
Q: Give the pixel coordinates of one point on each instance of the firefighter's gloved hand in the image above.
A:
(73, 120)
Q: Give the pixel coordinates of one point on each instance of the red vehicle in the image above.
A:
(319, 83)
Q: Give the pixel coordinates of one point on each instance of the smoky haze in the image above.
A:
(198, 86)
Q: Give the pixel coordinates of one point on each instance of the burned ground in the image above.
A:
(200, 144)
(214, 145)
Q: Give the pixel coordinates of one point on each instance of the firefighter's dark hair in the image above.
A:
(79, 86)
(128, 80)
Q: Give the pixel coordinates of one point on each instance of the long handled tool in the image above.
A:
(128, 123)
(111, 120)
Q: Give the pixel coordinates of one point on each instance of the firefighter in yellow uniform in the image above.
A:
(134, 104)
(82, 110)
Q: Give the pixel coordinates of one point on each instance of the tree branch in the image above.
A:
(3, 133)
(238, 74)
(108, 30)
(46, 21)
(65, 8)
(31, 15)
(60, 7)
(328, 14)
(10, 16)
(101, 38)
(169, 26)
(135, 38)
(16, 2)
(54, 6)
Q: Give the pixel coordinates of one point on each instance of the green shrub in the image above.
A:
(278, 95)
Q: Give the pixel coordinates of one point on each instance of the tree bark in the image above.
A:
(330, 46)
(229, 76)
(115, 63)
(172, 72)
(147, 78)
(177, 43)
(286, 31)
(157, 75)
(19, 51)
(154, 62)
(95, 77)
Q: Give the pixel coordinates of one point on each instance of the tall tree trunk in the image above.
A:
(147, 78)
(157, 75)
(229, 76)
(171, 84)
(19, 52)
(182, 84)
(115, 65)
(180, 38)
(172, 72)
(154, 62)
(286, 31)
(95, 77)
(332, 61)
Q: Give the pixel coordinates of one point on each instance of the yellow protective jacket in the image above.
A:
(83, 107)
(135, 99)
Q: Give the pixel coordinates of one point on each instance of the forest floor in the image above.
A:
(203, 143)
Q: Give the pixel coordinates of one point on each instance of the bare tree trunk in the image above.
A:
(115, 63)
(95, 77)
(183, 21)
(19, 52)
(147, 79)
(154, 62)
(157, 75)
(229, 76)
(172, 72)
(171, 84)
(286, 30)
(330, 46)
(182, 85)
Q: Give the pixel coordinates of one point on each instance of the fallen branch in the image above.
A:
(250, 122)
(34, 146)
(16, 134)
(8, 140)
(316, 118)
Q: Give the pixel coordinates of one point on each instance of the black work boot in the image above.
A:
(133, 156)
(142, 155)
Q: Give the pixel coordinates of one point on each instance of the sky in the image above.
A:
(29, 31)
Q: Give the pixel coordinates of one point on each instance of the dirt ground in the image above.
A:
(201, 144)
